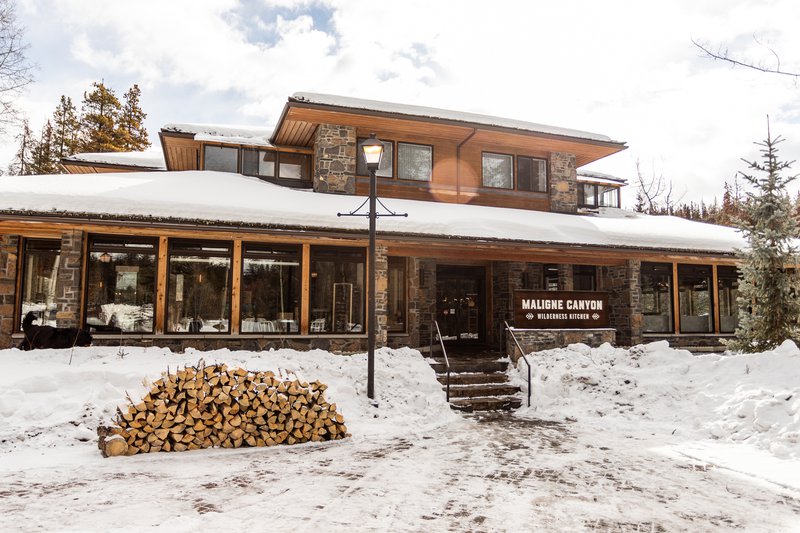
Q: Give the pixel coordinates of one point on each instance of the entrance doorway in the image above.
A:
(460, 303)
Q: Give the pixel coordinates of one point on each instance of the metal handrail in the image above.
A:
(516, 342)
(444, 352)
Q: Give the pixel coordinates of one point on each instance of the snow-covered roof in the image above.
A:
(247, 135)
(590, 176)
(442, 114)
(237, 199)
(150, 159)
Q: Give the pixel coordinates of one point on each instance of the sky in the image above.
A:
(625, 69)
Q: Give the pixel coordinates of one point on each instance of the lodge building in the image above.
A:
(232, 239)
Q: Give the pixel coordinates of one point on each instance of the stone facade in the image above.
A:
(506, 278)
(9, 250)
(179, 344)
(381, 294)
(411, 337)
(563, 183)
(335, 159)
(565, 279)
(68, 283)
(426, 301)
(624, 300)
(534, 340)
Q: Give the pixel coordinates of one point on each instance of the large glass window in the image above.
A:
(584, 277)
(396, 288)
(728, 285)
(531, 174)
(270, 289)
(260, 163)
(656, 280)
(498, 170)
(221, 158)
(384, 169)
(199, 287)
(39, 274)
(694, 284)
(121, 284)
(337, 290)
(608, 196)
(414, 162)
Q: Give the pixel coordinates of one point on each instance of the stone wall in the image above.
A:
(426, 306)
(68, 283)
(411, 337)
(565, 280)
(534, 340)
(563, 183)
(381, 294)
(506, 278)
(9, 250)
(180, 344)
(624, 300)
(335, 159)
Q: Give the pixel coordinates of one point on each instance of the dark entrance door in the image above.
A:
(460, 303)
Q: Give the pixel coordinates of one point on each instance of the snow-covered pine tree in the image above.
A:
(43, 155)
(66, 128)
(99, 118)
(20, 164)
(769, 293)
(132, 133)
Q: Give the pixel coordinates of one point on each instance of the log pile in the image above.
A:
(214, 406)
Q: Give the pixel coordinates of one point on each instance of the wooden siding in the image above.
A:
(181, 152)
(296, 133)
(96, 168)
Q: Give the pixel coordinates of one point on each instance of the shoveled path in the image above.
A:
(491, 472)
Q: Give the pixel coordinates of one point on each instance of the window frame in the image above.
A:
(247, 248)
(23, 267)
(226, 146)
(92, 239)
(484, 153)
(393, 143)
(546, 173)
(171, 244)
(396, 161)
(596, 186)
(325, 251)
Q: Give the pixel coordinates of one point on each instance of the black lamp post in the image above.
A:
(372, 149)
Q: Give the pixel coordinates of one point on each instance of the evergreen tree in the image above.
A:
(21, 163)
(100, 115)
(66, 129)
(43, 155)
(132, 134)
(769, 307)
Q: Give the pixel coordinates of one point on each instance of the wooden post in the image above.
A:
(236, 282)
(161, 285)
(715, 300)
(305, 309)
(676, 299)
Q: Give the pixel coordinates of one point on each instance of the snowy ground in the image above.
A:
(689, 443)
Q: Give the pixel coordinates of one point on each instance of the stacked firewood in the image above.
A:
(214, 406)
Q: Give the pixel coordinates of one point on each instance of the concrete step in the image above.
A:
(477, 391)
(473, 378)
(486, 403)
(481, 366)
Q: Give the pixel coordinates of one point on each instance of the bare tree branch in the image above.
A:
(723, 55)
(15, 69)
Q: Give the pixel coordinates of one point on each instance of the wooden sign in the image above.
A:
(560, 309)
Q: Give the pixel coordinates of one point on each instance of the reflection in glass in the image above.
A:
(260, 163)
(199, 287)
(656, 279)
(584, 277)
(728, 283)
(414, 162)
(498, 171)
(270, 289)
(337, 290)
(221, 158)
(39, 274)
(531, 174)
(396, 288)
(694, 283)
(121, 281)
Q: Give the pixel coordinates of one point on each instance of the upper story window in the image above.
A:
(531, 174)
(386, 168)
(595, 195)
(498, 172)
(414, 161)
(271, 165)
(221, 158)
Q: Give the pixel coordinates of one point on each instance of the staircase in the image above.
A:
(478, 381)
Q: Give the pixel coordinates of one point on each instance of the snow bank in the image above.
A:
(46, 402)
(752, 398)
